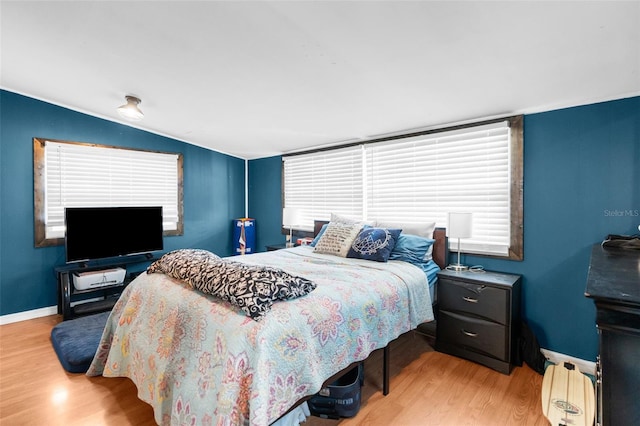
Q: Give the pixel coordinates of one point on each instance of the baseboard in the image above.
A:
(27, 315)
(587, 367)
(37, 313)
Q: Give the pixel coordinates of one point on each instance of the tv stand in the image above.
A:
(85, 300)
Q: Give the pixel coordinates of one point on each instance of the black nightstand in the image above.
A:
(479, 317)
(273, 247)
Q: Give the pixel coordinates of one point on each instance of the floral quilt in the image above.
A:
(199, 360)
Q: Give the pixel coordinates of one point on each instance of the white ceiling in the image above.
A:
(261, 78)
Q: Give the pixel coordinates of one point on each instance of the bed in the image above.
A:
(197, 359)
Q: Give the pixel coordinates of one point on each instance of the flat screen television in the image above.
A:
(105, 232)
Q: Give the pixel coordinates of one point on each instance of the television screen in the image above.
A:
(103, 232)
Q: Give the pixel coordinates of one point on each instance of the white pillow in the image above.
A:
(343, 219)
(336, 218)
(423, 229)
(337, 238)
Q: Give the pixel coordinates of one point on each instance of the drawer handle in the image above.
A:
(468, 333)
(470, 299)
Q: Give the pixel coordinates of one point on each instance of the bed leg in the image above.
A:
(385, 371)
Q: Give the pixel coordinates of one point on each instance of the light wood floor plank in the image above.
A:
(427, 388)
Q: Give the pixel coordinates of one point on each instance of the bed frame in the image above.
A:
(440, 256)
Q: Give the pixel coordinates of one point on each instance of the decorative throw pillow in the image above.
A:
(337, 238)
(374, 244)
(252, 288)
(183, 264)
(411, 248)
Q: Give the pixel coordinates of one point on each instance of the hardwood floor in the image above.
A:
(427, 388)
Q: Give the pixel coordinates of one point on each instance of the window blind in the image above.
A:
(423, 178)
(323, 183)
(83, 175)
(413, 179)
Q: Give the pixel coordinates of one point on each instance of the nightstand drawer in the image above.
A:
(473, 333)
(476, 299)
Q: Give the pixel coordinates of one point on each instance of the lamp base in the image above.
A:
(289, 244)
(457, 267)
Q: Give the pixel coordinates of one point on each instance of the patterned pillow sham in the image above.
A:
(184, 264)
(374, 244)
(337, 238)
(252, 288)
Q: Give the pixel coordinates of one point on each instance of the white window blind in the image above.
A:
(418, 179)
(323, 183)
(83, 175)
(425, 177)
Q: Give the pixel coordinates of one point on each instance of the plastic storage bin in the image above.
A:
(341, 398)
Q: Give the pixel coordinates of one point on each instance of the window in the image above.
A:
(421, 177)
(325, 182)
(72, 174)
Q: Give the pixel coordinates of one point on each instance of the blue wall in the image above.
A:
(265, 200)
(213, 193)
(581, 165)
(581, 183)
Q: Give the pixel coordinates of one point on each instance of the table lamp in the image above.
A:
(459, 226)
(290, 218)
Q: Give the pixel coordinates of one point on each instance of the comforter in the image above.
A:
(199, 360)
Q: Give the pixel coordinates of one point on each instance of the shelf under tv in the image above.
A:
(83, 305)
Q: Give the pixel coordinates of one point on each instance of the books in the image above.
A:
(304, 241)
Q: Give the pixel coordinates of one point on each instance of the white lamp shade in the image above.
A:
(459, 225)
(291, 216)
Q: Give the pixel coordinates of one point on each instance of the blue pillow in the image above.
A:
(374, 244)
(411, 248)
(317, 238)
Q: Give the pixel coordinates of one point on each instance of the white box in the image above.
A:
(96, 279)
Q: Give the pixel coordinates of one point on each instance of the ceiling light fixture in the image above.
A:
(130, 110)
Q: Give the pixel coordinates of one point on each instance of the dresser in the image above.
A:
(613, 282)
(479, 317)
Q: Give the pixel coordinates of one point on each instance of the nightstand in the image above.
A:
(479, 317)
(273, 247)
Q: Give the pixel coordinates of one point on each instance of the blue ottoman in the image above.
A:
(76, 341)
